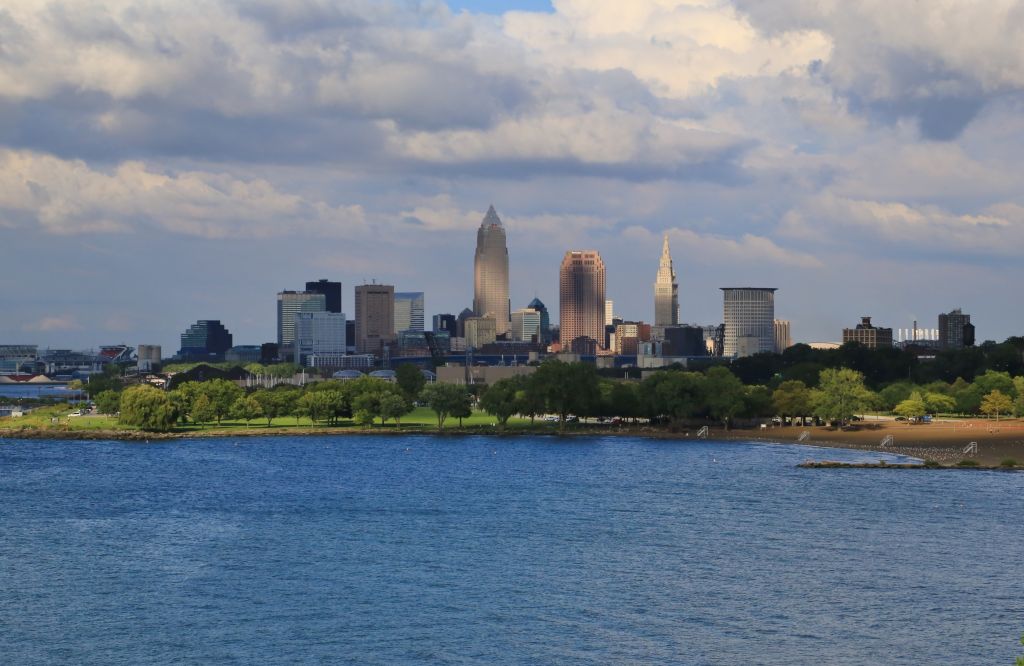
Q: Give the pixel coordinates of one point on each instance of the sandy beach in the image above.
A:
(942, 441)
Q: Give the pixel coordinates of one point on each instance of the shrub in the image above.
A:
(932, 464)
(967, 463)
(1009, 463)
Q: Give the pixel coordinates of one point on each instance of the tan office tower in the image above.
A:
(490, 273)
(375, 317)
(666, 291)
(581, 298)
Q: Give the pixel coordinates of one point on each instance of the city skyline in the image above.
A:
(799, 149)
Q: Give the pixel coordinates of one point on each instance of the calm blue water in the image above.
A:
(480, 551)
(57, 391)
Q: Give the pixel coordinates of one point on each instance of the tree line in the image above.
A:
(568, 390)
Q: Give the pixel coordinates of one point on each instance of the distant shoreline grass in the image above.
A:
(921, 442)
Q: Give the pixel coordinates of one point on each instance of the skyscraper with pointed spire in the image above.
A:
(666, 291)
(490, 273)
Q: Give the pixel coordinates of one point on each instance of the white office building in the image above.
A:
(525, 324)
(291, 303)
(408, 311)
(318, 334)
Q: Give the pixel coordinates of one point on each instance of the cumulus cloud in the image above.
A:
(711, 248)
(762, 134)
(937, 61)
(70, 197)
(681, 48)
(997, 230)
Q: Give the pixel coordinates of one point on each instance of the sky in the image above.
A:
(168, 161)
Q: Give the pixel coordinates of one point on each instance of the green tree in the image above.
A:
(528, 402)
(394, 406)
(894, 394)
(757, 401)
(792, 399)
(222, 395)
(913, 407)
(108, 380)
(623, 400)
(566, 388)
(444, 400)
(939, 403)
(148, 408)
(724, 394)
(247, 408)
(410, 380)
(842, 394)
(184, 397)
(500, 399)
(317, 405)
(995, 403)
(108, 402)
(464, 409)
(202, 409)
(271, 404)
(992, 380)
(1018, 405)
(673, 394)
(966, 395)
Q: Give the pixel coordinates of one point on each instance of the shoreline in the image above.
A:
(944, 445)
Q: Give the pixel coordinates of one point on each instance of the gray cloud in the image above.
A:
(365, 138)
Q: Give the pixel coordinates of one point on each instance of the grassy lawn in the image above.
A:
(42, 418)
(420, 418)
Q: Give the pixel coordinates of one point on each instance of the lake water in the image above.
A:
(476, 550)
(56, 391)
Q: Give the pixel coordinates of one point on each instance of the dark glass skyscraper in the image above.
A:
(205, 340)
(331, 292)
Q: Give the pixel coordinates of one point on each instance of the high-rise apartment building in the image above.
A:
(869, 335)
(629, 334)
(581, 297)
(490, 272)
(749, 314)
(289, 304)
(525, 325)
(331, 292)
(609, 312)
(666, 291)
(955, 330)
(319, 333)
(480, 331)
(408, 311)
(783, 341)
(375, 317)
(205, 340)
